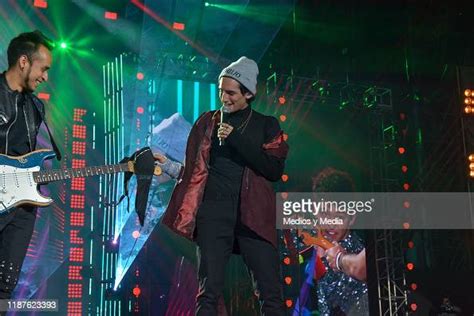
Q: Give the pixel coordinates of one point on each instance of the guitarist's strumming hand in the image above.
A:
(168, 166)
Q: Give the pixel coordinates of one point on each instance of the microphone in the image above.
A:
(221, 140)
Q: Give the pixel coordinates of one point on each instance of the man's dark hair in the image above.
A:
(27, 44)
(244, 90)
(333, 180)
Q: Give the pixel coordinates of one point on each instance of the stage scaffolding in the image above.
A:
(376, 101)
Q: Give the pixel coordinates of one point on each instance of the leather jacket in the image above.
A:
(8, 115)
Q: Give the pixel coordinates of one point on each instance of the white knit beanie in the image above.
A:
(245, 71)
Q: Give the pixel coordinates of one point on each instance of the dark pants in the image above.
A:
(217, 228)
(16, 228)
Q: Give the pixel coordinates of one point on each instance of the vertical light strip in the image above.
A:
(196, 101)
(179, 91)
(213, 96)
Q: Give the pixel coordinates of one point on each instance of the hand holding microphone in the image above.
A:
(224, 129)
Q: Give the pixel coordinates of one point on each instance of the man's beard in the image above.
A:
(27, 80)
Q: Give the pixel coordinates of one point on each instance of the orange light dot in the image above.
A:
(413, 306)
(288, 280)
(404, 168)
(289, 303)
(468, 110)
(467, 101)
(140, 110)
(140, 75)
(282, 100)
(401, 150)
(471, 157)
(283, 117)
(285, 137)
(414, 286)
(467, 92)
(284, 178)
(287, 260)
(136, 291)
(406, 186)
(471, 173)
(136, 234)
(406, 225)
(411, 244)
(284, 195)
(410, 266)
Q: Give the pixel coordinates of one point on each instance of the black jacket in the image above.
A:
(8, 115)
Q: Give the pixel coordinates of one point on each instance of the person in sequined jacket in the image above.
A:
(21, 114)
(343, 287)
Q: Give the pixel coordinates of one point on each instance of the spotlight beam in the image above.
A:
(160, 20)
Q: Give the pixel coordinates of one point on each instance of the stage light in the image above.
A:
(110, 15)
(467, 101)
(283, 117)
(140, 110)
(136, 234)
(406, 204)
(43, 96)
(406, 225)
(413, 286)
(411, 244)
(206, 4)
(467, 92)
(284, 178)
(287, 261)
(468, 110)
(471, 165)
(282, 100)
(136, 291)
(289, 303)
(406, 186)
(413, 306)
(140, 75)
(401, 150)
(63, 45)
(402, 116)
(288, 280)
(179, 26)
(410, 266)
(404, 168)
(40, 4)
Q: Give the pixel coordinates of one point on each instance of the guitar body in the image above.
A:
(21, 176)
(17, 185)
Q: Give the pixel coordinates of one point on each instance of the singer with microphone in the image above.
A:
(223, 199)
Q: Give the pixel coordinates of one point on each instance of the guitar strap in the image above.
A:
(144, 167)
(39, 106)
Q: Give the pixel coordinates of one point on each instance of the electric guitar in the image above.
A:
(21, 176)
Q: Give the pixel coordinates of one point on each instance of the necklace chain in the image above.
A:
(244, 124)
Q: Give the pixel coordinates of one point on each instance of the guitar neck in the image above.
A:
(46, 176)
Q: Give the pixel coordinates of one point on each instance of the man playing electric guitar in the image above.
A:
(21, 114)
